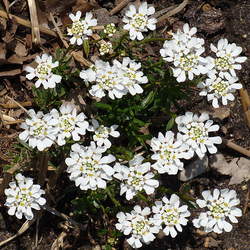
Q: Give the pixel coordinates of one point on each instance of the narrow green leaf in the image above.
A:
(86, 47)
(103, 106)
(149, 99)
(170, 123)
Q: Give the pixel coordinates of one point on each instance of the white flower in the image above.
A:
(195, 132)
(39, 130)
(169, 213)
(220, 206)
(105, 48)
(138, 22)
(132, 76)
(22, 196)
(69, 123)
(227, 57)
(110, 29)
(219, 87)
(139, 225)
(107, 78)
(43, 72)
(185, 51)
(88, 168)
(136, 177)
(102, 133)
(81, 28)
(168, 153)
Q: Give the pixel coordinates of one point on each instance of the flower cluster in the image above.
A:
(42, 131)
(117, 80)
(136, 177)
(23, 196)
(168, 153)
(185, 51)
(138, 21)
(105, 48)
(110, 29)
(81, 28)
(143, 224)
(195, 130)
(102, 133)
(220, 206)
(218, 87)
(137, 223)
(88, 168)
(169, 213)
(222, 80)
(44, 72)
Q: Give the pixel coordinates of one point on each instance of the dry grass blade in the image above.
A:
(119, 7)
(172, 12)
(34, 22)
(26, 23)
(14, 105)
(26, 225)
(18, 104)
(13, 72)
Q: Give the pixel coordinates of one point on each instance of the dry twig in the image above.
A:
(27, 23)
(236, 147)
(245, 100)
(119, 7)
(172, 12)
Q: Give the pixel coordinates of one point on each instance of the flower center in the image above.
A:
(140, 226)
(107, 80)
(67, 123)
(197, 133)
(188, 62)
(77, 28)
(43, 70)
(220, 88)
(139, 21)
(135, 179)
(38, 128)
(223, 63)
(170, 216)
(102, 132)
(218, 209)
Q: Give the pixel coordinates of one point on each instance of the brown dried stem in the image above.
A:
(34, 22)
(27, 23)
(236, 147)
(172, 12)
(119, 7)
(245, 101)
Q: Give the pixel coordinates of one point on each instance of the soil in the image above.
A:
(214, 19)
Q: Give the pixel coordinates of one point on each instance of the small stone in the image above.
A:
(194, 169)
(222, 113)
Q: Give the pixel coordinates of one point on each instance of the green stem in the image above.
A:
(142, 197)
(113, 199)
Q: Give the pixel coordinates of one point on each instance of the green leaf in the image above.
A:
(103, 106)
(149, 99)
(86, 47)
(170, 123)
